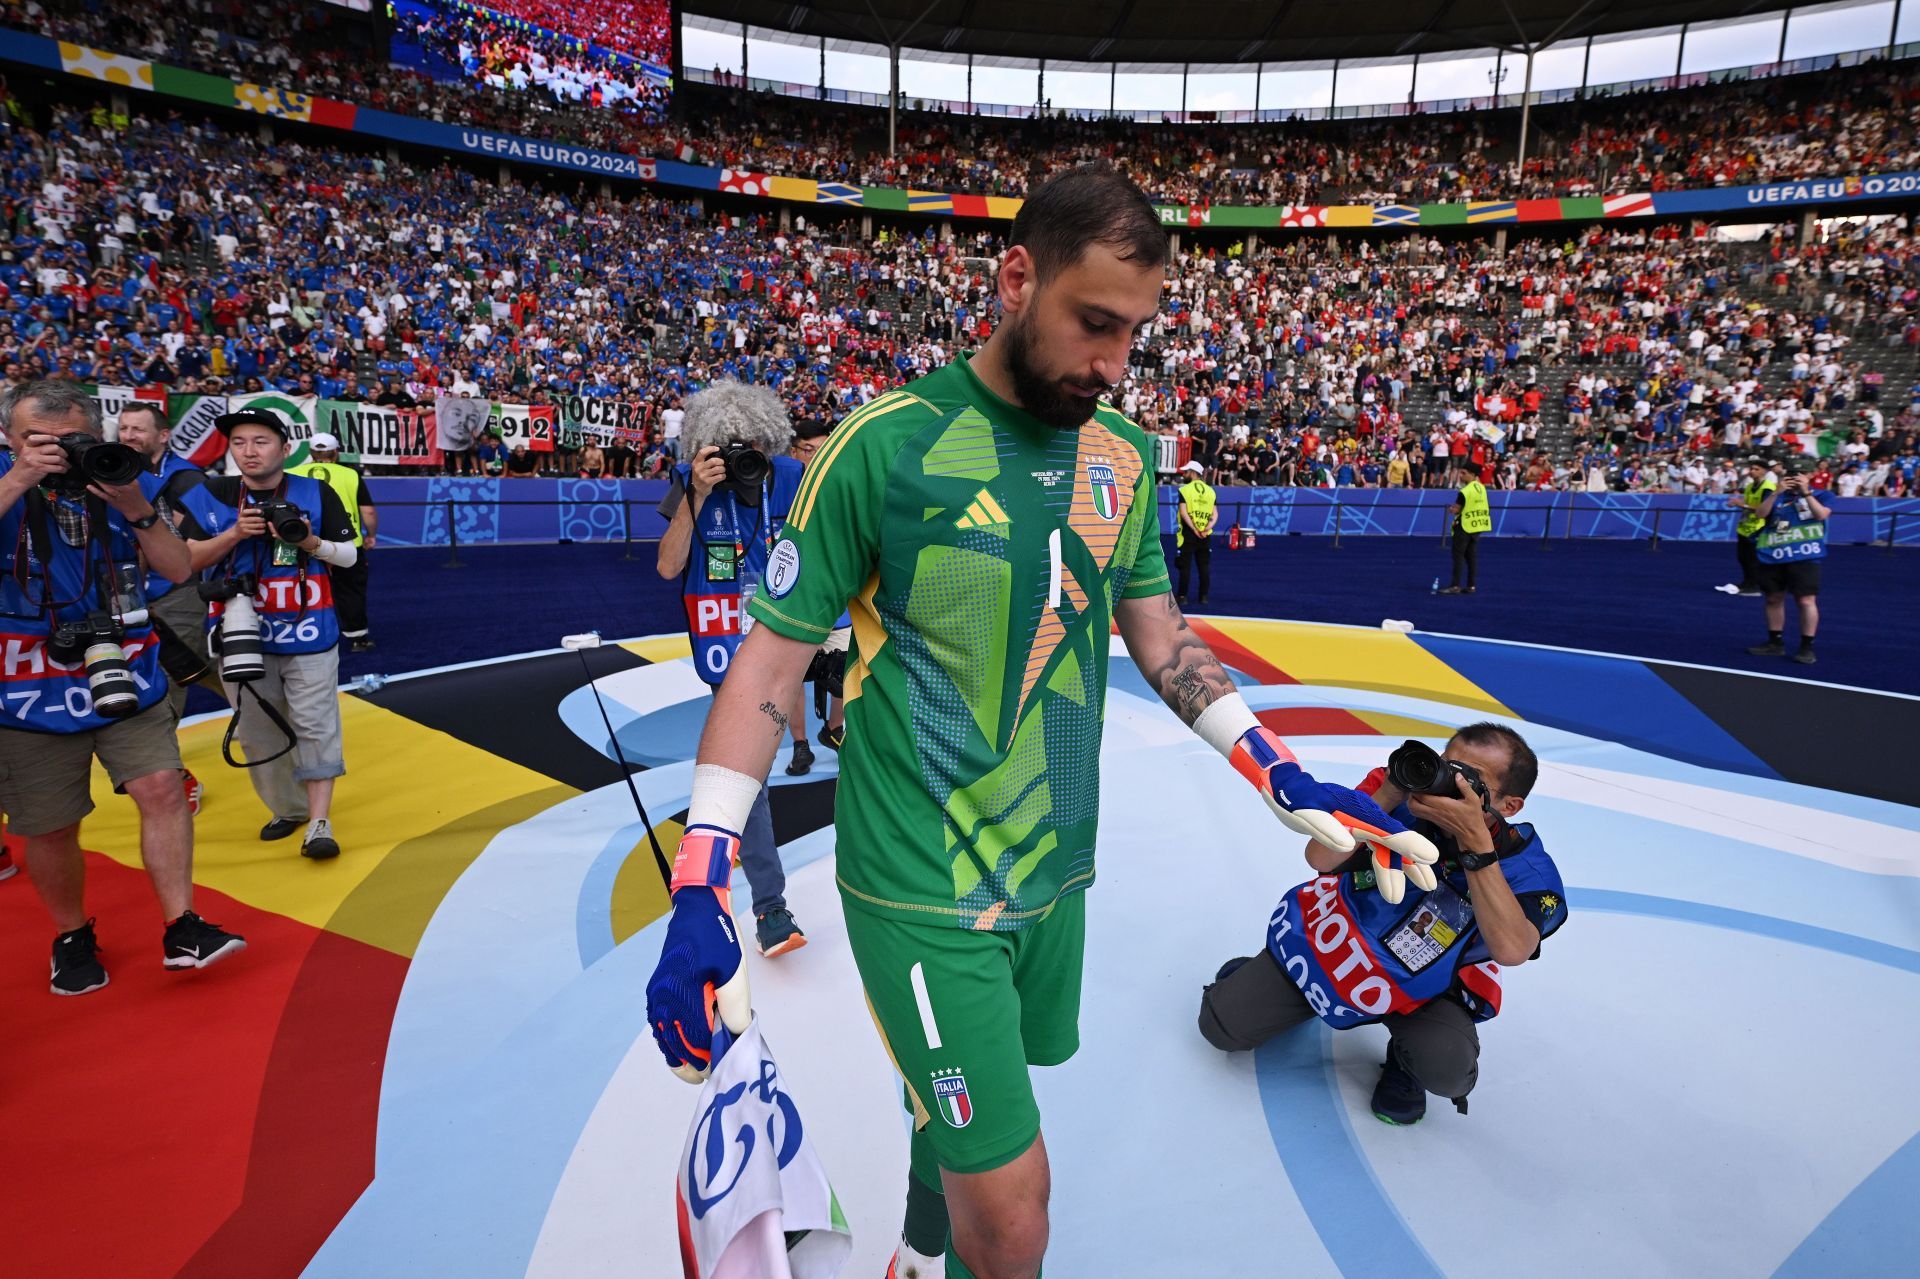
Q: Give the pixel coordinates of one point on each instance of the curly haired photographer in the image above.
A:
(80, 673)
(1353, 947)
(267, 540)
(725, 508)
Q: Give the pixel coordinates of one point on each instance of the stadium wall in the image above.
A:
(420, 511)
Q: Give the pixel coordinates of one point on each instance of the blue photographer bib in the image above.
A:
(1357, 957)
(37, 693)
(727, 561)
(1791, 533)
(295, 598)
(155, 486)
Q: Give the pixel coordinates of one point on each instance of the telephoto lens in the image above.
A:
(241, 661)
(99, 461)
(110, 681)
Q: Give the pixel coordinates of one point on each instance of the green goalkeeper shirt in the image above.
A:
(983, 552)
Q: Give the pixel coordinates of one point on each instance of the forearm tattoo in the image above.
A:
(774, 713)
(1190, 679)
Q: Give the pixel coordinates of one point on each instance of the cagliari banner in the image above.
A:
(130, 72)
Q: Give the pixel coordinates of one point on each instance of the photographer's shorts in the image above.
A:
(46, 778)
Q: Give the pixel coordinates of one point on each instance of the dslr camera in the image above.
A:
(747, 469)
(95, 643)
(237, 641)
(288, 522)
(92, 460)
(1418, 769)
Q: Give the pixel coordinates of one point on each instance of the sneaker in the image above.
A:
(1398, 1098)
(777, 934)
(1728, 588)
(832, 736)
(1449, 590)
(1768, 649)
(76, 963)
(7, 869)
(1805, 657)
(362, 645)
(195, 791)
(281, 827)
(802, 762)
(1751, 592)
(191, 942)
(320, 843)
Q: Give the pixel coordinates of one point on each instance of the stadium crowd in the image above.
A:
(1858, 120)
(505, 55)
(182, 255)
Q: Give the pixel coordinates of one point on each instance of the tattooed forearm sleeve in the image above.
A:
(1177, 662)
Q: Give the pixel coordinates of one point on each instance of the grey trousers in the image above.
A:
(185, 614)
(304, 688)
(1437, 1043)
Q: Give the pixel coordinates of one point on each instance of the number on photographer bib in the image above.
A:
(305, 631)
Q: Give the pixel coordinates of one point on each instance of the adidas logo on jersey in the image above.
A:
(983, 513)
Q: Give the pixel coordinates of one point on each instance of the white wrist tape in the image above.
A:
(1224, 723)
(721, 797)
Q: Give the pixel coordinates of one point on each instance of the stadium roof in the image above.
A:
(1163, 32)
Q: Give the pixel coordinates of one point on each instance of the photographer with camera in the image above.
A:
(269, 540)
(80, 674)
(1352, 947)
(725, 508)
(179, 614)
(1789, 545)
(356, 499)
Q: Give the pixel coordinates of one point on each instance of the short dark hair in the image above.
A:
(1523, 766)
(160, 422)
(1086, 205)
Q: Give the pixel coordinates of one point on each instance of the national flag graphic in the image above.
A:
(646, 169)
(1304, 215)
(1492, 211)
(838, 193)
(1627, 206)
(929, 201)
(114, 68)
(1396, 215)
(267, 100)
(950, 1094)
(1852, 186)
(194, 436)
(741, 182)
(1105, 489)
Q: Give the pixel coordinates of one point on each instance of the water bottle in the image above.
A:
(372, 683)
(1436, 587)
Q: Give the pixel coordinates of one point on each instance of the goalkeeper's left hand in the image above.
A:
(1334, 815)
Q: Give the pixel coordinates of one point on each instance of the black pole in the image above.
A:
(626, 530)
(1893, 530)
(453, 539)
(1338, 510)
(1656, 528)
(626, 773)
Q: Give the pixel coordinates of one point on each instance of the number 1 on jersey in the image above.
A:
(1053, 555)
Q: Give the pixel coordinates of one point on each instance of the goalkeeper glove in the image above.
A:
(701, 970)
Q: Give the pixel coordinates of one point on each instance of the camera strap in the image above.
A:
(226, 743)
(36, 532)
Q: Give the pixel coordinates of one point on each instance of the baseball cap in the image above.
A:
(1195, 467)
(325, 442)
(251, 417)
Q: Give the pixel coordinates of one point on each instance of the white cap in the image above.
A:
(1195, 467)
(324, 442)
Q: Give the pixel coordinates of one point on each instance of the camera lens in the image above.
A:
(747, 465)
(110, 681)
(241, 661)
(111, 463)
(1414, 767)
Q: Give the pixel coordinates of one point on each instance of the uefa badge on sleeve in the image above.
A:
(1105, 489)
(950, 1094)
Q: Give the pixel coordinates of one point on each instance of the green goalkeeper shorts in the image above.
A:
(964, 1013)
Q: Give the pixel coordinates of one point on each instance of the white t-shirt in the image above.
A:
(671, 421)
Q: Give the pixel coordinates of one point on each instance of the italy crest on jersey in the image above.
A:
(1105, 489)
(950, 1094)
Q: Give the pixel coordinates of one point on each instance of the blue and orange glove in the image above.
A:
(1334, 815)
(702, 972)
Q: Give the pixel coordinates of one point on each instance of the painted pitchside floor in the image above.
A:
(432, 1059)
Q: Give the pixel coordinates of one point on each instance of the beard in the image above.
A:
(1048, 399)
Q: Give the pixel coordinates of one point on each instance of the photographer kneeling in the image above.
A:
(1353, 947)
(80, 670)
(268, 538)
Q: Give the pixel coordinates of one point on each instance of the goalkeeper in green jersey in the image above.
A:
(985, 524)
